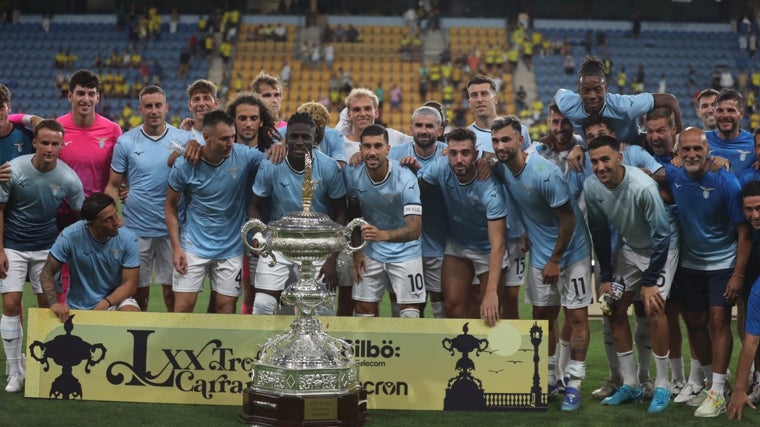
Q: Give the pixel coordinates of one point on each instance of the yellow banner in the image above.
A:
(425, 364)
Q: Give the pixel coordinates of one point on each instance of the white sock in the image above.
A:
(552, 360)
(643, 340)
(676, 367)
(364, 314)
(437, 307)
(696, 376)
(628, 368)
(661, 371)
(576, 371)
(563, 358)
(410, 313)
(264, 303)
(609, 350)
(718, 382)
(11, 332)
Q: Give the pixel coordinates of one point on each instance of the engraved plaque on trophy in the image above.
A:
(303, 376)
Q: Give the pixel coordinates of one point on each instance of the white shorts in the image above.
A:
(431, 269)
(19, 262)
(405, 278)
(129, 302)
(283, 272)
(155, 258)
(516, 257)
(225, 275)
(479, 259)
(631, 264)
(573, 288)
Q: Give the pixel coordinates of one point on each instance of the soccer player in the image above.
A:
(28, 205)
(15, 139)
(327, 139)
(388, 196)
(483, 98)
(646, 260)
(269, 88)
(201, 99)
(424, 150)
(361, 106)
(282, 185)
(560, 262)
(739, 398)
(216, 193)
(140, 158)
(728, 140)
(103, 261)
(475, 245)
(255, 127)
(624, 110)
(714, 255)
(706, 108)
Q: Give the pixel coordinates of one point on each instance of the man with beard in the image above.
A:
(646, 259)
(208, 241)
(423, 151)
(558, 144)
(140, 156)
(706, 108)
(560, 265)
(714, 256)
(476, 215)
(727, 139)
(282, 185)
(388, 196)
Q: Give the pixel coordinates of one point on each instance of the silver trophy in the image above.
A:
(303, 376)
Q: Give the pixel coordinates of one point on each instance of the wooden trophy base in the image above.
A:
(269, 409)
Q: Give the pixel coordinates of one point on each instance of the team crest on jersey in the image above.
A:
(20, 147)
(706, 191)
(116, 253)
(56, 190)
(102, 142)
(743, 155)
(528, 188)
(233, 172)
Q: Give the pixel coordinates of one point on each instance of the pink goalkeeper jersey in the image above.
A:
(88, 151)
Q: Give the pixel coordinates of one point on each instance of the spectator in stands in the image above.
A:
(59, 61)
(174, 21)
(352, 34)
(568, 65)
(280, 33)
(521, 98)
(395, 96)
(156, 72)
(225, 51)
(380, 93)
(339, 35)
(285, 73)
(316, 56)
(329, 55)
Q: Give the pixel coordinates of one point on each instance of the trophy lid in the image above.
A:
(311, 221)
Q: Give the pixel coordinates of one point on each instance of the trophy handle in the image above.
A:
(42, 357)
(349, 230)
(257, 226)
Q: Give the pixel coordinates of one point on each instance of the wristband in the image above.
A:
(108, 301)
(27, 120)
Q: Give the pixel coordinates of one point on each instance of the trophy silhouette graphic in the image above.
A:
(67, 351)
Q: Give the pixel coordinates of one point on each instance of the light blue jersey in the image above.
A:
(740, 151)
(95, 268)
(142, 160)
(283, 185)
(538, 190)
(485, 145)
(469, 206)
(216, 202)
(435, 223)
(332, 144)
(624, 110)
(17, 143)
(31, 201)
(385, 205)
(708, 208)
(634, 155)
(636, 210)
